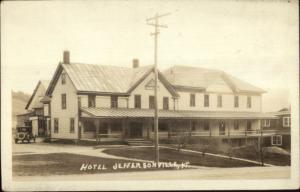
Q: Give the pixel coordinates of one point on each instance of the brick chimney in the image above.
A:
(66, 57)
(135, 63)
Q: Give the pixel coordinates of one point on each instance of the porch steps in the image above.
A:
(139, 142)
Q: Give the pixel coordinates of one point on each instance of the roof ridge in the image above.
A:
(107, 65)
(196, 67)
(98, 65)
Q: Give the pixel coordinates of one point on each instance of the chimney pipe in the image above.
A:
(66, 57)
(135, 63)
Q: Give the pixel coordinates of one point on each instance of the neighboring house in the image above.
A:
(35, 110)
(279, 129)
(87, 102)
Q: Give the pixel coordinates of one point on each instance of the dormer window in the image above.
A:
(63, 78)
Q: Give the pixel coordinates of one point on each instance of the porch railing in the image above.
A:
(109, 135)
(225, 133)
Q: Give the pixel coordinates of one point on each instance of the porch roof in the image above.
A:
(183, 114)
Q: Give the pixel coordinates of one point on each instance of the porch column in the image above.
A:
(148, 128)
(169, 129)
(190, 127)
(229, 140)
(97, 130)
(124, 128)
(246, 137)
(109, 128)
(79, 118)
(209, 126)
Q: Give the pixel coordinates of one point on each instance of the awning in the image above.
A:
(167, 114)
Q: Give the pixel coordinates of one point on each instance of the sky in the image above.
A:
(256, 41)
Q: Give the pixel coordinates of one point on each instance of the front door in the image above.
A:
(103, 130)
(222, 128)
(136, 130)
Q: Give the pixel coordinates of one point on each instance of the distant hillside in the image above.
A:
(19, 101)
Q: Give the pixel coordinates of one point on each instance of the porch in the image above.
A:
(105, 124)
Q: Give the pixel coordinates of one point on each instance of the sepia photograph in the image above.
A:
(149, 95)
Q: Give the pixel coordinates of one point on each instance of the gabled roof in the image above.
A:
(90, 78)
(201, 78)
(45, 84)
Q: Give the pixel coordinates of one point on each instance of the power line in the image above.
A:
(156, 33)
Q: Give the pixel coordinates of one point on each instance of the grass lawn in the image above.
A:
(64, 164)
(166, 155)
(248, 152)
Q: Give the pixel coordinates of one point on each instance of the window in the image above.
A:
(55, 125)
(266, 123)
(89, 126)
(219, 104)
(114, 101)
(151, 102)
(206, 100)
(249, 102)
(286, 121)
(166, 103)
(137, 101)
(72, 123)
(92, 101)
(63, 78)
(206, 125)
(63, 101)
(236, 101)
(276, 140)
(236, 125)
(192, 100)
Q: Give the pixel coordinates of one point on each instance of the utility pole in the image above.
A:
(156, 33)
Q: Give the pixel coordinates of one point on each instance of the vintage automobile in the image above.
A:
(24, 134)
